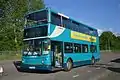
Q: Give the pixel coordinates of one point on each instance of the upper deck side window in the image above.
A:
(68, 23)
(93, 32)
(75, 26)
(87, 30)
(55, 19)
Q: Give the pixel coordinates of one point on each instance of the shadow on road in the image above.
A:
(114, 69)
(18, 63)
(110, 66)
(116, 60)
(101, 65)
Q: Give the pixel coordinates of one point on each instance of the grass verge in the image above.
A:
(9, 55)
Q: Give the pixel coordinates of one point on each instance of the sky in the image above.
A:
(101, 14)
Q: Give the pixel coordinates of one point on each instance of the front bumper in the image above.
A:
(35, 67)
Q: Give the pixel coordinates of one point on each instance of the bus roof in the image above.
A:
(60, 15)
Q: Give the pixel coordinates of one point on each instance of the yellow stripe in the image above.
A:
(81, 36)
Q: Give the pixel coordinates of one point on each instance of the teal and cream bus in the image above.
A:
(55, 41)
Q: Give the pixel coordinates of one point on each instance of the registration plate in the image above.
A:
(32, 67)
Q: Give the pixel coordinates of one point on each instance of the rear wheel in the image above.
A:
(68, 65)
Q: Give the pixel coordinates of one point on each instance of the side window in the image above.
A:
(75, 25)
(55, 19)
(93, 48)
(81, 29)
(66, 22)
(95, 33)
(84, 48)
(77, 48)
(68, 47)
(86, 30)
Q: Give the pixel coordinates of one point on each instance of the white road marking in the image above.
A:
(75, 76)
(109, 63)
(103, 75)
(89, 71)
(98, 68)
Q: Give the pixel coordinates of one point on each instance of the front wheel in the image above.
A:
(68, 65)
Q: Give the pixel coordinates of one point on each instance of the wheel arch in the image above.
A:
(92, 57)
(70, 59)
(65, 67)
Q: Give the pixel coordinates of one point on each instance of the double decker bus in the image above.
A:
(54, 41)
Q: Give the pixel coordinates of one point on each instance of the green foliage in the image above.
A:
(12, 21)
(108, 41)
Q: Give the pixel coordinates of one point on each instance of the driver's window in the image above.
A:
(46, 47)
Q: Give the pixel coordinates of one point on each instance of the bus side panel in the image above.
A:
(97, 54)
(65, 36)
(78, 58)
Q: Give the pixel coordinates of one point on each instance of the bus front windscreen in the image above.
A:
(36, 47)
(32, 48)
(36, 18)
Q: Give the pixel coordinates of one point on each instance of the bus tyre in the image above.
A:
(68, 65)
(93, 61)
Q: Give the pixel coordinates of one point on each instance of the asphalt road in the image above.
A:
(107, 68)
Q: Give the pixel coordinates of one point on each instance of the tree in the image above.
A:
(12, 21)
(34, 5)
(105, 40)
(108, 41)
(117, 43)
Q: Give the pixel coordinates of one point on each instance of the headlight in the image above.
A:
(23, 61)
(29, 53)
(25, 53)
(42, 62)
(35, 53)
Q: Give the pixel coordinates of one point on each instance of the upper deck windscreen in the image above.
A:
(36, 18)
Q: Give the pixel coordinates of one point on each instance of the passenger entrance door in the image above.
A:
(57, 50)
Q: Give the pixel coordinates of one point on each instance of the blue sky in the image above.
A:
(101, 14)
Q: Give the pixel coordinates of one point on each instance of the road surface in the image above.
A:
(107, 69)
